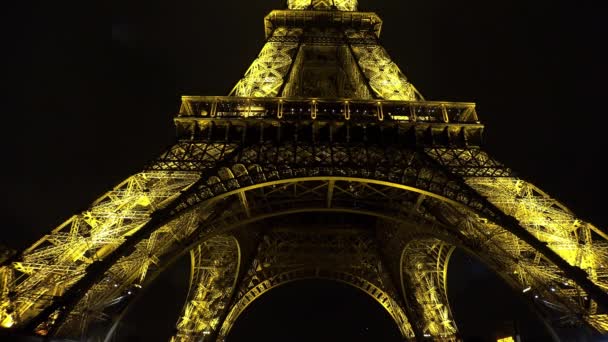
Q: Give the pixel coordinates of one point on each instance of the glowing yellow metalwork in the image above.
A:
(425, 261)
(6, 283)
(266, 74)
(291, 254)
(506, 339)
(384, 76)
(599, 322)
(215, 265)
(341, 5)
(298, 4)
(52, 265)
(59, 259)
(125, 277)
(549, 221)
(579, 243)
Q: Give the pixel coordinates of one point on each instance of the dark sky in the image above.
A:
(83, 112)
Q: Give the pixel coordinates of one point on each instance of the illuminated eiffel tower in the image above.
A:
(324, 162)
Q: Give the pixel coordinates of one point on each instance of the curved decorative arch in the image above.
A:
(465, 236)
(425, 287)
(383, 298)
(451, 236)
(387, 168)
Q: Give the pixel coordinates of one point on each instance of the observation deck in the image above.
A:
(320, 119)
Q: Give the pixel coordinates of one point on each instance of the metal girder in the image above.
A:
(238, 120)
(468, 162)
(344, 109)
(215, 266)
(340, 254)
(383, 75)
(478, 236)
(193, 156)
(51, 265)
(257, 156)
(363, 21)
(425, 263)
(418, 254)
(266, 74)
(550, 222)
(341, 5)
(395, 169)
(404, 170)
(544, 217)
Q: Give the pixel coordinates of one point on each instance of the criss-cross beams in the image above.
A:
(322, 178)
(424, 264)
(341, 5)
(265, 76)
(294, 253)
(59, 259)
(579, 243)
(245, 159)
(329, 23)
(215, 268)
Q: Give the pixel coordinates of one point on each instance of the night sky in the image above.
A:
(82, 112)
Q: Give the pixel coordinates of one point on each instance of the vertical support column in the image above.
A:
(390, 250)
(214, 271)
(421, 265)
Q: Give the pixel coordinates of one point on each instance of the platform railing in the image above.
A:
(327, 109)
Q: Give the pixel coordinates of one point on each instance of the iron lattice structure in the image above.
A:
(323, 122)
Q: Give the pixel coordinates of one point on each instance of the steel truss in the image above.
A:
(343, 255)
(388, 182)
(579, 243)
(215, 264)
(341, 5)
(373, 149)
(264, 77)
(424, 265)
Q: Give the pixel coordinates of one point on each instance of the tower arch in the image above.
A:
(377, 149)
(313, 198)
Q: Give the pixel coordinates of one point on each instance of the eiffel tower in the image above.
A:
(323, 162)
